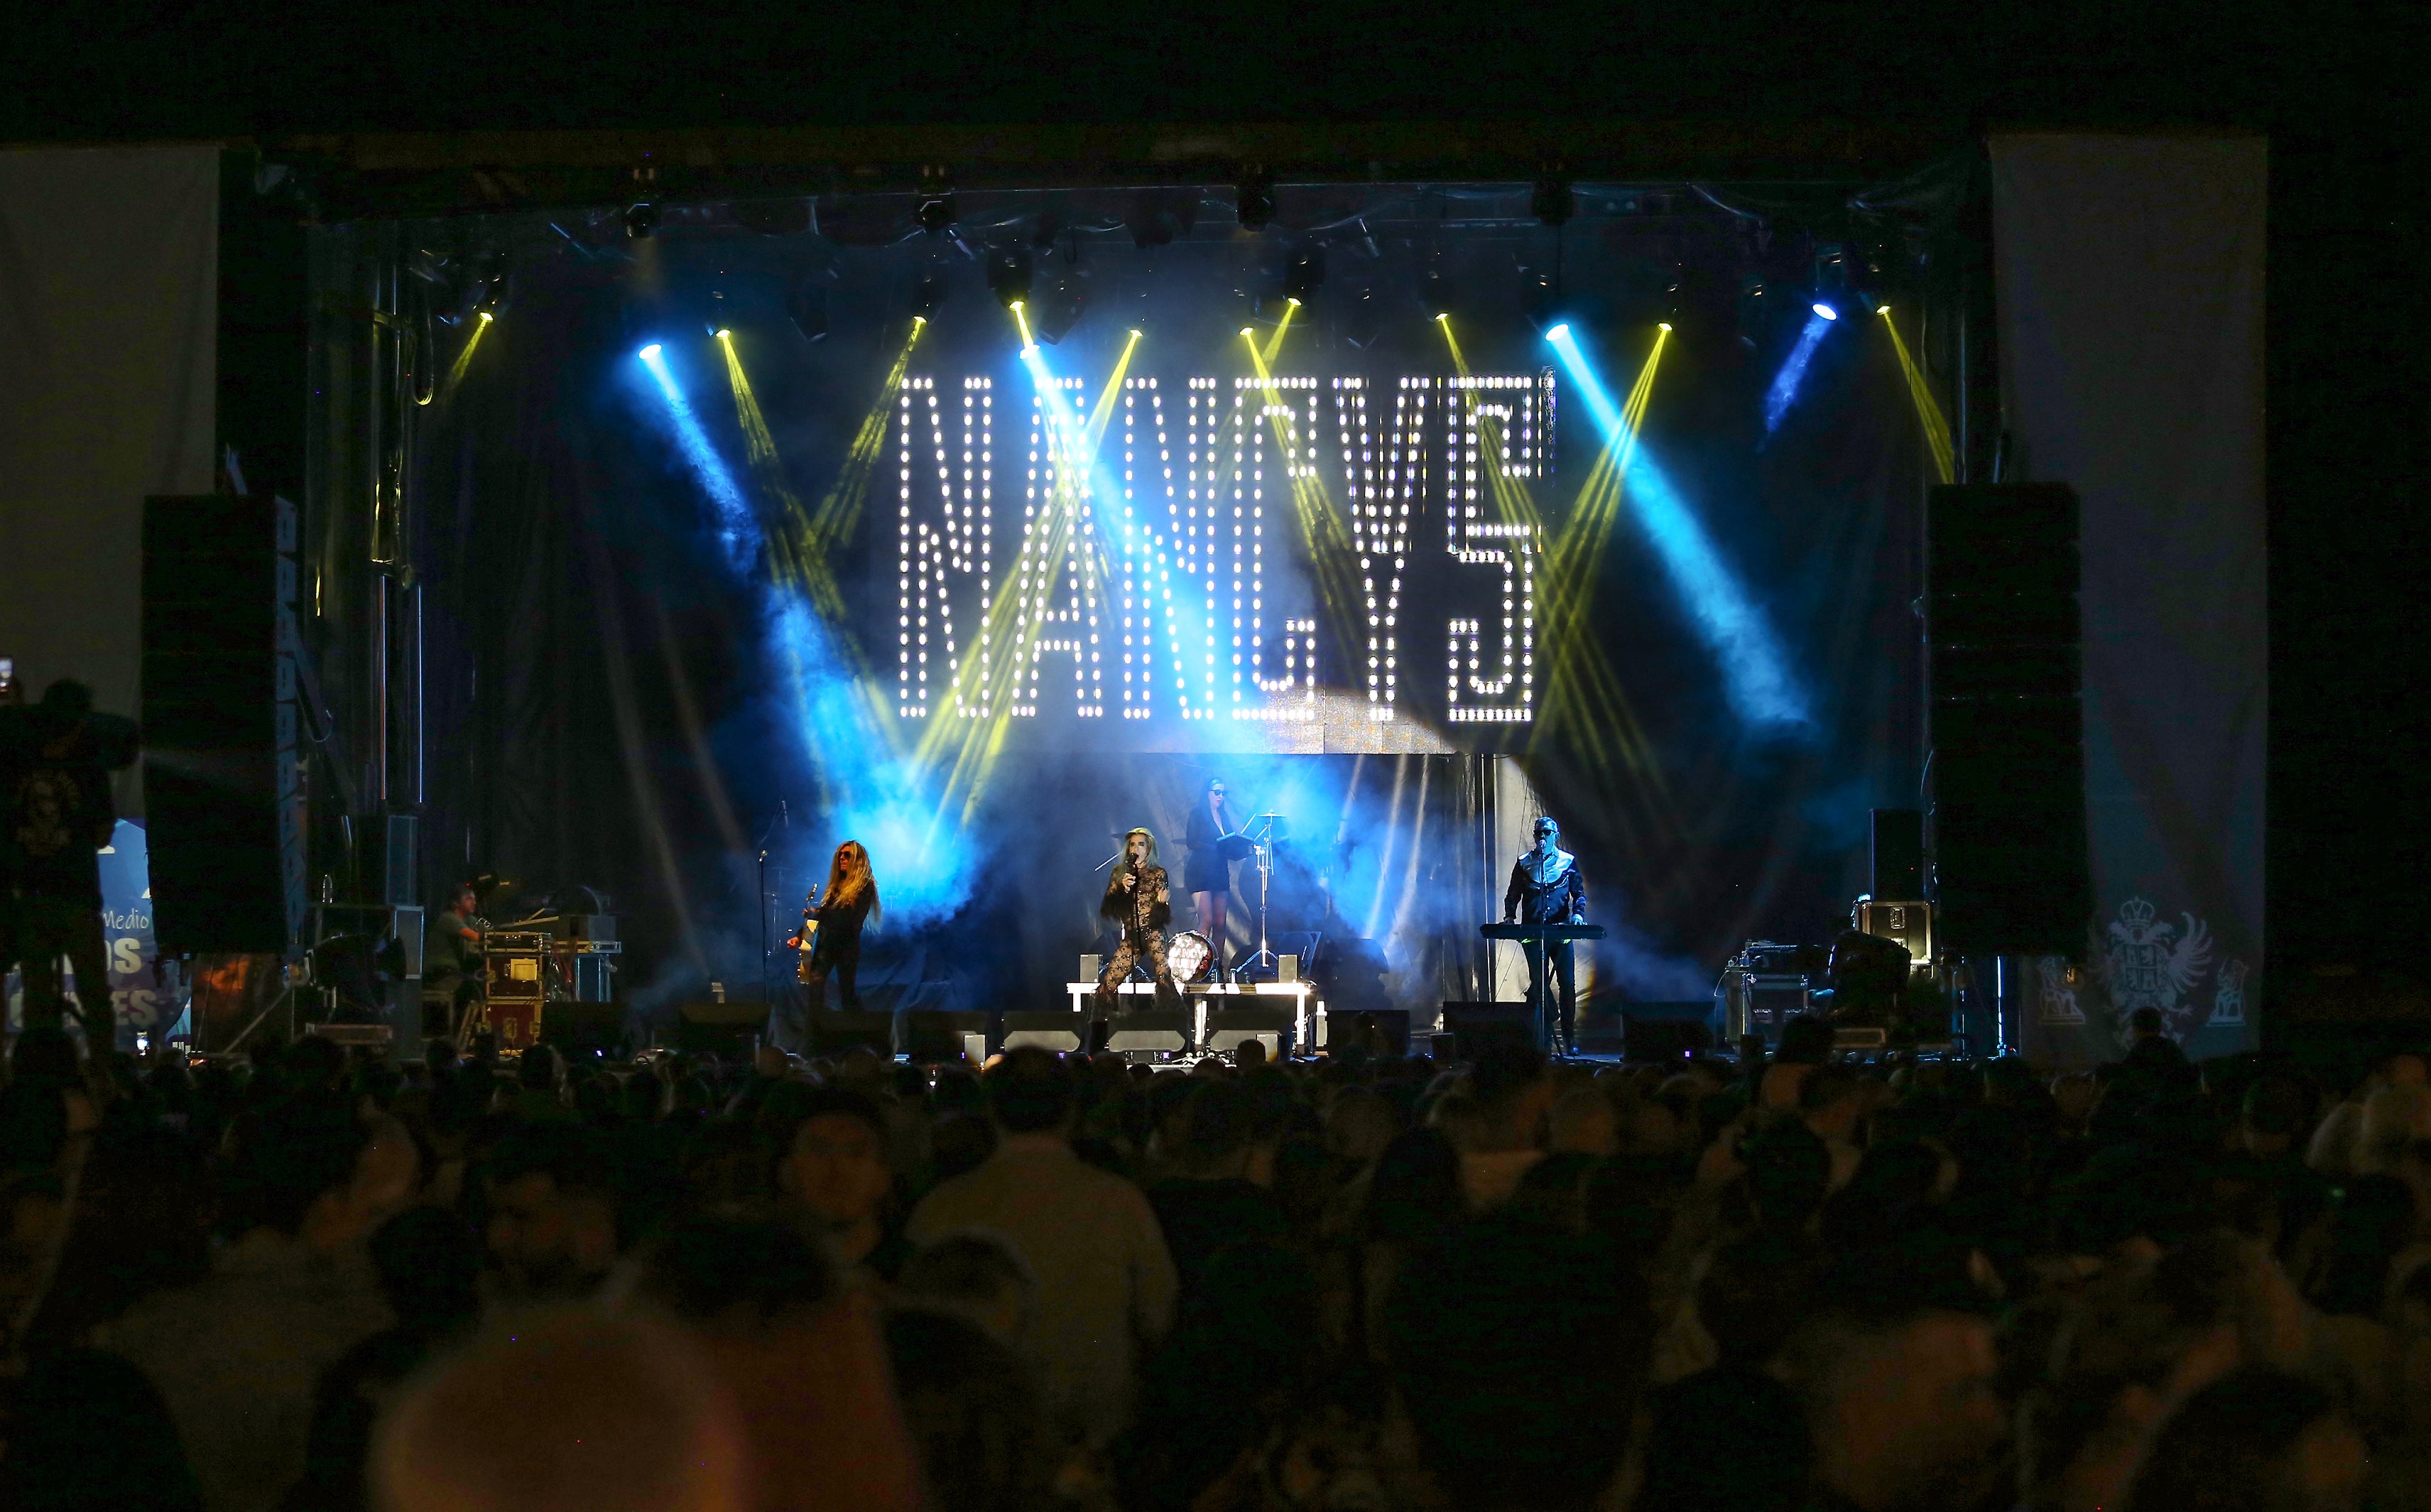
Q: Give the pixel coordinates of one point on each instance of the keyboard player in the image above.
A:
(1546, 888)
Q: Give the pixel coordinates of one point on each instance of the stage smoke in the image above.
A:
(1785, 383)
(1753, 673)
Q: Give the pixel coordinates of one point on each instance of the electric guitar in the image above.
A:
(806, 938)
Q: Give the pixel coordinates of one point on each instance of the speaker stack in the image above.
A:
(2006, 781)
(223, 805)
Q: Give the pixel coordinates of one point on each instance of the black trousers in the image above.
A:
(47, 929)
(1137, 946)
(843, 964)
(1566, 967)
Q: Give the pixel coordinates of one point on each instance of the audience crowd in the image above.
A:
(1356, 1281)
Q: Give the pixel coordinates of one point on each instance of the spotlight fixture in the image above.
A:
(926, 295)
(1559, 333)
(1879, 309)
(1756, 304)
(725, 334)
(1364, 322)
(1662, 324)
(806, 306)
(935, 214)
(1254, 199)
(1054, 309)
(1156, 216)
(1825, 311)
(641, 220)
(487, 317)
(1302, 277)
(1540, 298)
(1553, 201)
(1051, 225)
(1008, 274)
(650, 353)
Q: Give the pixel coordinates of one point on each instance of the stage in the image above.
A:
(657, 545)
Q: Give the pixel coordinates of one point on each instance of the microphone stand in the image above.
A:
(767, 971)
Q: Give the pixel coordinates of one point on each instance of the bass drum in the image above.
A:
(1189, 955)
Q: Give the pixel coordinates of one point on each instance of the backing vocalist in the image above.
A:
(1139, 897)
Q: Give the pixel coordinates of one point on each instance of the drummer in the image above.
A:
(1213, 844)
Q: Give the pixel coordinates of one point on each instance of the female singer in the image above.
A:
(835, 950)
(1140, 900)
(1209, 875)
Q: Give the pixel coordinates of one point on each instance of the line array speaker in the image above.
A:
(223, 796)
(2005, 719)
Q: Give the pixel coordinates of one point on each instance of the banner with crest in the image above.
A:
(2130, 275)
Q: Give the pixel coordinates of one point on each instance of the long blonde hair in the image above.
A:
(849, 877)
(1124, 869)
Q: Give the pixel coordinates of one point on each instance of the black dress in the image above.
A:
(1207, 871)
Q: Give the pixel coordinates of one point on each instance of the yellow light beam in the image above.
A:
(1022, 319)
(1104, 413)
(967, 739)
(1331, 551)
(839, 512)
(1583, 694)
(1275, 342)
(464, 357)
(1928, 412)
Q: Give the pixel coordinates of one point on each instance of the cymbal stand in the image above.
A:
(1264, 841)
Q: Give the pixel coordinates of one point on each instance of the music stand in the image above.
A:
(1266, 832)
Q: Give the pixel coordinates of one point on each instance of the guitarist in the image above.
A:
(1546, 888)
(830, 940)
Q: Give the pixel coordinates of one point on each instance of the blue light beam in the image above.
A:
(879, 797)
(1754, 678)
(738, 528)
(1784, 392)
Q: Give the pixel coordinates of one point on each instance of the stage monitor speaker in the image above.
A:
(1601, 1030)
(223, 793)
(932, 1035)
(833, 1034)
(725, 1028)
(1666, 1031)
(585, 1029)
(1044, 1030)
(1898, 853)
(2005, 720)
(1226, 1028)
(1150, 1029)
(408, 929)
(1383, 1031)
(1477, 1028)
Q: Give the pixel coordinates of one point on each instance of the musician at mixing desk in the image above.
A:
(1546, 888)
(1207, 871)
(833, 927)
(451, 954)
(1139, 898)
